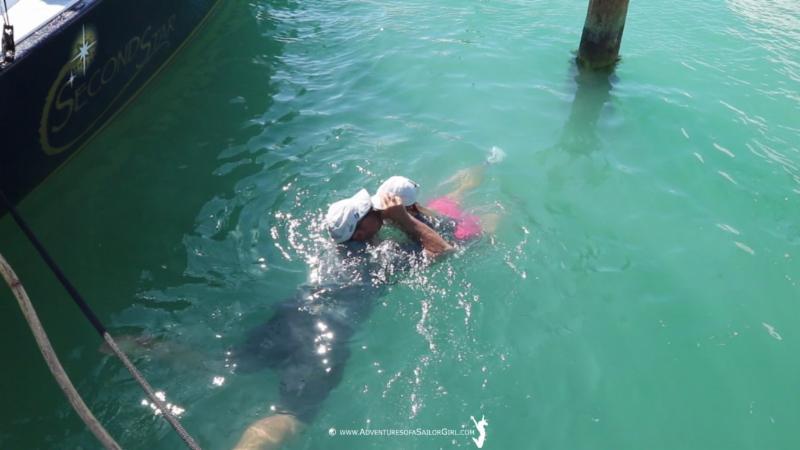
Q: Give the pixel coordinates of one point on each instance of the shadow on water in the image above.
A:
(593, 91)
(579, 137)
(115, 219)
(569, 170)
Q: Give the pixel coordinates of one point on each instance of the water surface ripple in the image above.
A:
(639, 291)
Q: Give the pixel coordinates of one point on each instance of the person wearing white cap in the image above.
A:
(467, 226)
(308, 346)
(353, 218)
(290, 341)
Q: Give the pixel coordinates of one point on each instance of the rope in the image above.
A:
(98, 326)
(52, 360)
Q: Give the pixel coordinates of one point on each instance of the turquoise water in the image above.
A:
(639, 292)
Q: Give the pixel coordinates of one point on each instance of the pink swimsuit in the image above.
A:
(467, 225)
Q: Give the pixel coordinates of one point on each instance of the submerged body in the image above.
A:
(306, 341)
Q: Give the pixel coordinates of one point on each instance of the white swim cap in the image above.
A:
(400, 186)
(343, 216)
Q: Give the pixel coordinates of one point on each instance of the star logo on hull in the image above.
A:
(85, 49)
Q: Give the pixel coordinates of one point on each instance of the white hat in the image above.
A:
(399, 186)
(343, 216)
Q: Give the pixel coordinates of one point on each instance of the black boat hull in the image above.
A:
(77, 76)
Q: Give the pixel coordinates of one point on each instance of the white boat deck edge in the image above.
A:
(28, 15)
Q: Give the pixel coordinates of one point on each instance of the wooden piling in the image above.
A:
(602, 33)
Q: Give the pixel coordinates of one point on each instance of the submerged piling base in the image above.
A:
(602, 33)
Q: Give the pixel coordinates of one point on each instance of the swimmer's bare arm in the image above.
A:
(433, 244)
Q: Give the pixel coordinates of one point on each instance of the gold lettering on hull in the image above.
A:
(69, 96)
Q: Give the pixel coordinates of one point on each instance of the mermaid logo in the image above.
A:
(481, 426)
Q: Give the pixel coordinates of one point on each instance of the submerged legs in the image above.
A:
(466, 180)
(270, 433)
